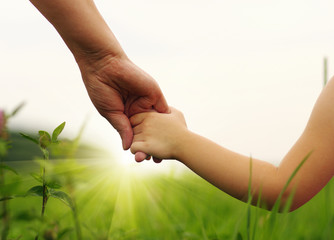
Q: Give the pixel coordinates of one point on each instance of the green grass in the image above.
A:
(117, 202)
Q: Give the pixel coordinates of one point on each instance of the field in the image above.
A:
(107, 200)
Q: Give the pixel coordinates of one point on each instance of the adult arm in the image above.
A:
(166, 136)
(116, 86)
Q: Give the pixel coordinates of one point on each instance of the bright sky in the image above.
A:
(245, 73)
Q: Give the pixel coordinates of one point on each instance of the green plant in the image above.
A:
(48, 187)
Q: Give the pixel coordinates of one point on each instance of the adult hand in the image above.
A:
(120, 89)
(116, 86)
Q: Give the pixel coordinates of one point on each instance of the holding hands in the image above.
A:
(159, 135)
(133, 103)
(119, 89)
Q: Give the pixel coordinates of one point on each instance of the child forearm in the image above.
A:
(230, 172)
(227, 170)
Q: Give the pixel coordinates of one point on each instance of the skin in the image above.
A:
(166, 136)
(116, 86)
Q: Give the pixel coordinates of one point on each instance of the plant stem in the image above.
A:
(45, 198)
(249, 210)
(45, 189)
(74, 210)
(77, 223)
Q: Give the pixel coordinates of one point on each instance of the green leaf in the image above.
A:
(62, 197)
(3, 166)
(42, 133)
(53, 184)
(44, 139)
(57, 132)
(11, 197)
(6, 198)
(37, 177)
(30, 138)
(17, 109)
(35, 191)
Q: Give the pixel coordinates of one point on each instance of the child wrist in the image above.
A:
(180, 146)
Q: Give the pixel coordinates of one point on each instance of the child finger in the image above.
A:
(157, 160)
(138, 147)
(140, 156)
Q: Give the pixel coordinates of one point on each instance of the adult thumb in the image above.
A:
(122, 124)
(161, 105)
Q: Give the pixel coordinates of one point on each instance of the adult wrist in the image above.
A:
(98, 57)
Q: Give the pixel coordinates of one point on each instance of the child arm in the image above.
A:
(166, 136)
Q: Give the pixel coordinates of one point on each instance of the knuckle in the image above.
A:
(146, 124)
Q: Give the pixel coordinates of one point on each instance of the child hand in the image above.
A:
(158, 134)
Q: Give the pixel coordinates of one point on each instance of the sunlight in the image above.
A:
(147, 167)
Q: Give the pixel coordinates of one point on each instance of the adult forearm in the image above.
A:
(81, 26)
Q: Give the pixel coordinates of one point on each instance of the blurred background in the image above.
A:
(245, 74)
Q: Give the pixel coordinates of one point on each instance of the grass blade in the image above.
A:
(249, 201)
(325, 71)
(276, 208)
(278, 201)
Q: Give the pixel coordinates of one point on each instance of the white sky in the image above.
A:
(245, 73)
